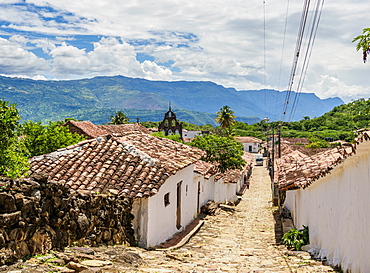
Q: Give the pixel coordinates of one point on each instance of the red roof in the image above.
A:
(295, 140)
(248, 139)
(205, 168)
(135, 165)
(85, 128)
(122, 128)
(297, 170)
(91, 130)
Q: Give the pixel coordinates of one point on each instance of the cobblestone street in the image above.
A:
(239, 240)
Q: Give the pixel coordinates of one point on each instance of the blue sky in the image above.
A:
(208, 40)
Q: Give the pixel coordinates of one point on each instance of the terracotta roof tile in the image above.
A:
(297, 170)
(90, 130)
(85, 128)
(295, 140)
(136, 165)
(205, 168)
(123, 128)
(248, 139)
(174, 155)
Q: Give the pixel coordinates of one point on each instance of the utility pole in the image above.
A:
(273, 154)
(279, 134)
(275, 194)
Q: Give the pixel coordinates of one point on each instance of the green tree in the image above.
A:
(13, 155)
(119, 118)
(225, 152)
(42, 139)
(175, 137)
(225, 117)
(363, 43)
(316, 142)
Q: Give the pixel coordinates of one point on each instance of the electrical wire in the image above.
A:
(314, 27)
(296, 56)
(308, 51)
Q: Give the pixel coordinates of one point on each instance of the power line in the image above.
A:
(308, 51)
(314, 26)
(296, 56)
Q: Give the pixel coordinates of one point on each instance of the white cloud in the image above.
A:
(330, 86)
(16, 60)
(45, 45)
(202, 40)
(156, 72)
(21, 40)
(36, 77)
(109, 57)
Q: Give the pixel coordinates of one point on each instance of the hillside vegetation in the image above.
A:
(337, 124)
(195, 102)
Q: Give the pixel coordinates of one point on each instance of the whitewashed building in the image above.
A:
(250, 144)
(159, 217)
(222, 187)
(329, 193)
(162, 177)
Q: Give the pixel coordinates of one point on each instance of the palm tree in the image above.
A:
(225, 117)
(119, 118)
(363, 43)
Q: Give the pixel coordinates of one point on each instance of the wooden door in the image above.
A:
(198, 199)
(178, 205)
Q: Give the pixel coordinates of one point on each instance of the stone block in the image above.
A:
(10, 219)
(287, 225)
(7, 203)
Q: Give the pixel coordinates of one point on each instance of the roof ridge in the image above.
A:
(135, 151)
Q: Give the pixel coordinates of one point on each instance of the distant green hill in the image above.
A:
(98, 98)
(348, 117)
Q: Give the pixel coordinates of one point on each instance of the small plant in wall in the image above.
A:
(295, 238)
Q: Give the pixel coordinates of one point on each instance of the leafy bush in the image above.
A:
(42, 139)
(13, 154)
(225, 152)
(295, 238)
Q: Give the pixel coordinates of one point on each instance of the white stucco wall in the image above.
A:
(154, 222)
(255, 147)
(191, 134)
(159, 221)
(206, 188)
(240, 182)
(336, 208)
(225, 192)
(140, 221)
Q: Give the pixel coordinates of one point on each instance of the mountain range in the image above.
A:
(98, 98)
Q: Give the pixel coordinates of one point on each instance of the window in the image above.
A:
(166, 199)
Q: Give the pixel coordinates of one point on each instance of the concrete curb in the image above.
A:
(185, 239)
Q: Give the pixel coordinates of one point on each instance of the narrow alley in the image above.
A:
(239, 241)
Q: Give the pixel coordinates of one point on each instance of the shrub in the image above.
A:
(295, 238)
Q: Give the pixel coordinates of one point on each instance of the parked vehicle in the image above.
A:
(259, 160)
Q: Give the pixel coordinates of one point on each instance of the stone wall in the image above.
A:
(37, 215)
